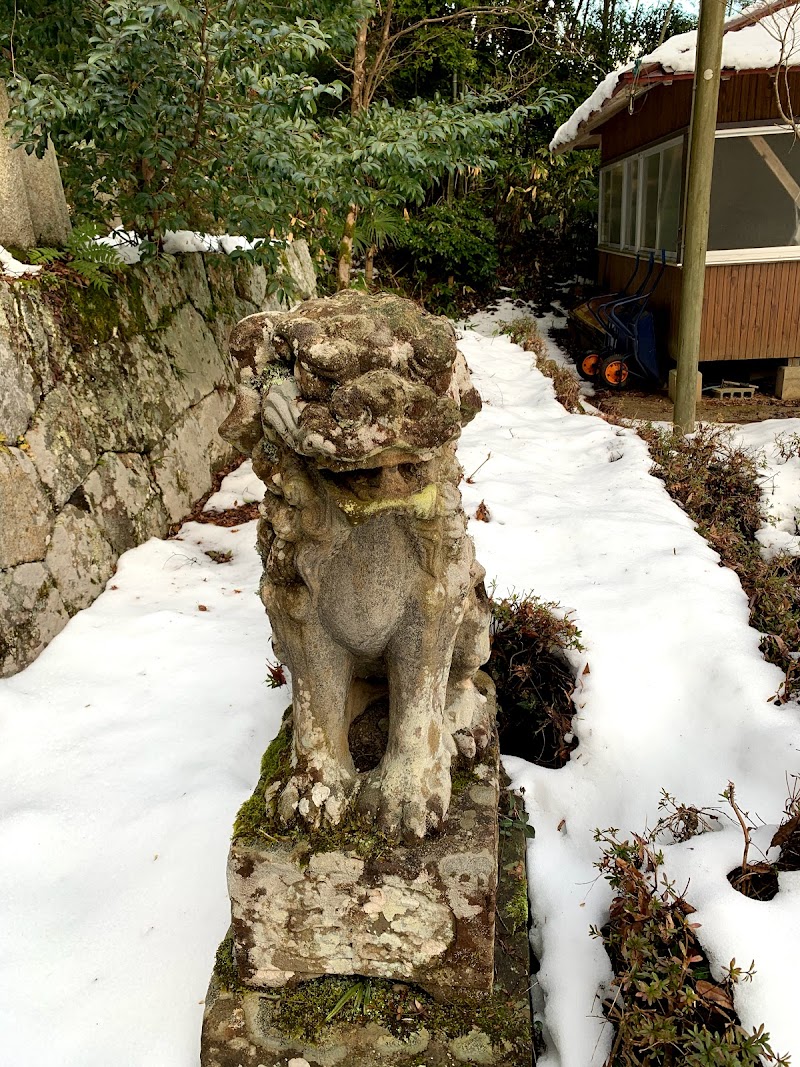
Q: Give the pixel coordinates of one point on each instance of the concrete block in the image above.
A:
(673, 385)
(787, 386)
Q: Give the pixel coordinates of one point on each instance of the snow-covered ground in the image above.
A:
(129, 744)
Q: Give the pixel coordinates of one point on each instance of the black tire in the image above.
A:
(588, 364)
(614, 372)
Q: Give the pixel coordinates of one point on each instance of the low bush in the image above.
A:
(524, 332)
(452, 253)
(719, 485)
(534, 678)
(665, 1006)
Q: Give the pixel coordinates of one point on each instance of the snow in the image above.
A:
(781, 488)
(12, 267)
(130, 742)
(127, 748)
(128, 244)
(605, 90)
(240, 487)
(677, 697)
(773, 41)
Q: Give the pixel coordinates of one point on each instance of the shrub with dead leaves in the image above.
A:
(525, 333)
(719, 485)
(665, 1006)
(534, 678)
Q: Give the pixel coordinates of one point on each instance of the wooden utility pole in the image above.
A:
(698, 197)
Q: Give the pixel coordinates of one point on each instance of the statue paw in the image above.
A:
(316, 801)
(407, 805)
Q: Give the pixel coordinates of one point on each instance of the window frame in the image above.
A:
(636, 161)
(772, 253)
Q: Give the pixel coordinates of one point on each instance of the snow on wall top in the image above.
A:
(770, 42)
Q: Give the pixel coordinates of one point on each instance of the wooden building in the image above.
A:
(639, 118)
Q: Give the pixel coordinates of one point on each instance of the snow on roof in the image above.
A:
(772, 41)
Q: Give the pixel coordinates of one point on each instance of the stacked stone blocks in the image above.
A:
(109, 410)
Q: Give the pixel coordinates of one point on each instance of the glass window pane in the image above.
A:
(652, 165)
(615, 205)
(633, 203)
(605, 189)
(670, 198)
(755, 192)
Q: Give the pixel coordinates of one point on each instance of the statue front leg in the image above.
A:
(467, 713)
(409, 791)
(324, 774)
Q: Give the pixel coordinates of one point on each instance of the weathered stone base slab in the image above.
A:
(383, 1023)
(422, 913)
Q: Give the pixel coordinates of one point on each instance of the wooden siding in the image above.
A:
(750, 310)
(666, 109)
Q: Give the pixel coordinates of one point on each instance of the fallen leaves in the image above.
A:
(714, 994)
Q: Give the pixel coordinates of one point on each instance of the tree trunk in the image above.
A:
(369, 266)
(605, 19)
(346, 250)
(357, 93)
(451, 184)
(357, 104)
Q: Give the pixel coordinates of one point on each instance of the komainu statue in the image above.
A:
(351, 407)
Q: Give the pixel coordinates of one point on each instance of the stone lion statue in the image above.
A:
(351, 407)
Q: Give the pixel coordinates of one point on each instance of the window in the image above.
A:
(632, 200)
(640, 200)
(755, 192)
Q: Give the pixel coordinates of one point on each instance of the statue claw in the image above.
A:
(316, 802)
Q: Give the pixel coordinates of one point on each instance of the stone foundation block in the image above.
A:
(673, 385)
(26, 519)
(423, 913)
(787, 385)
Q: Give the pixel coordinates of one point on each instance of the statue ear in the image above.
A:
(251, 342)
(242, 428)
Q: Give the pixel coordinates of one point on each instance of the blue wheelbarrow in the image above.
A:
(618, 333)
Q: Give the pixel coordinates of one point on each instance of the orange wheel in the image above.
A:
(589, 365)
(613, 372)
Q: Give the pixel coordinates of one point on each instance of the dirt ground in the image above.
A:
(657, 407)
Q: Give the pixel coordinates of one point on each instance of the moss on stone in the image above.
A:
(253, 822)
(515, 910)
(135, 297)
(305, 1011)
(461, 780)
(90, 314)
(225, 968)
(355, 833)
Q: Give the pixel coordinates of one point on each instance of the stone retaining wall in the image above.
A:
(109, 408)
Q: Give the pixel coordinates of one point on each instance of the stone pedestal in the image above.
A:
(422, 914)
(32, 204)
(349, 949)
(372, 1022)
